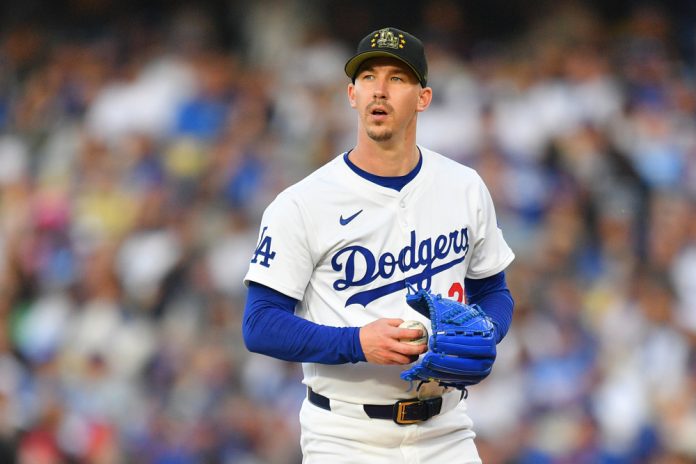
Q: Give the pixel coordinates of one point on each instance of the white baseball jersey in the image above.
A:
(346, 248)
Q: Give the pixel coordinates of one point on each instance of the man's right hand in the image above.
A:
(380, 342)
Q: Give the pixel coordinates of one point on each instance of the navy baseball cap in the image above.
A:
(394, 43)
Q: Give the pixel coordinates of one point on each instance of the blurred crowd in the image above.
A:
(136, 160)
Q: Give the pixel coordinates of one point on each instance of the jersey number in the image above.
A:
(263, 249)
(456, 290)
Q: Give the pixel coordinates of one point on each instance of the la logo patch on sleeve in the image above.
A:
(263, 250)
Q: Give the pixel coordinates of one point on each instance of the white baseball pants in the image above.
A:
(347, 435)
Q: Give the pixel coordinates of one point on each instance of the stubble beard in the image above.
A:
(379, 131)
(380, 134)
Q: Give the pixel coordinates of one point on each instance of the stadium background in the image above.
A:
(139, 143)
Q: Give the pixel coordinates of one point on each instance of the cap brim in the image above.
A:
(354, 63)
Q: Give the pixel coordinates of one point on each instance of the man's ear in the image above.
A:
(424, 98)
(351, 95)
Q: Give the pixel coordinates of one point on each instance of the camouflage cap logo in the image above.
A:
(385, 38)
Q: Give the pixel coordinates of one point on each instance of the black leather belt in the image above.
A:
(402, 412)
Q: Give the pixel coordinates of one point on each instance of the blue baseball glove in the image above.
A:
(462, 345)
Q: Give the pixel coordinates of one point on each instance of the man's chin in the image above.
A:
(379, 136)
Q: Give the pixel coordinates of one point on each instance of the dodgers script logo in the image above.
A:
(361, 267)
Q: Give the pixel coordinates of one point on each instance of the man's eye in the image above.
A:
(397, 78)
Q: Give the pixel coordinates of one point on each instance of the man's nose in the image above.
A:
(380, 90)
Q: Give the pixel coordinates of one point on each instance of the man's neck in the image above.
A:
(385, 160)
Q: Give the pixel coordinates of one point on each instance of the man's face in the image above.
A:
(387, 96)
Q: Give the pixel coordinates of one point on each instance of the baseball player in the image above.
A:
(337, 254)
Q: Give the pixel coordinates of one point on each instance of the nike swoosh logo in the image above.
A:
(349, 218)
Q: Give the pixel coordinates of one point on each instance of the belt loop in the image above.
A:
(318, 400)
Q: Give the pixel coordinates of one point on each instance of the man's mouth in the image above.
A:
(379, 113)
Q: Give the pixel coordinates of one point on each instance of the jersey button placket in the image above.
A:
(403, 220)
(404, 229)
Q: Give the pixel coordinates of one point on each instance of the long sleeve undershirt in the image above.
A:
(270, 326)
(494, 298)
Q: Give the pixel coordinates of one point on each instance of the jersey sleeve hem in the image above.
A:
(287, 291)
(489, 272)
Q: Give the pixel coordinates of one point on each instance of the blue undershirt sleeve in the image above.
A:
(493, 297)
(270, 327)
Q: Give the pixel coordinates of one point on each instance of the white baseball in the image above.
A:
(414, 325)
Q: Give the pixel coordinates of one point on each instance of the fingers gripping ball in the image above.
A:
(462, 347)
(418, 326)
